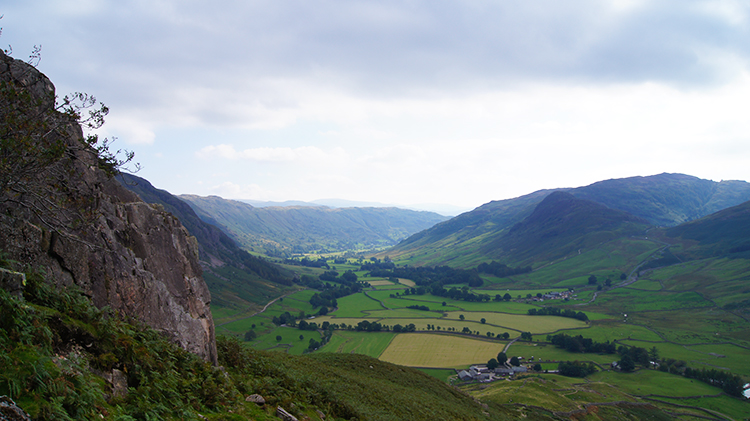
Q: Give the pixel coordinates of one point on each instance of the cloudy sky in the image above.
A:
(404, 102)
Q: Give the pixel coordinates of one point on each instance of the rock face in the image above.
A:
(128, 255)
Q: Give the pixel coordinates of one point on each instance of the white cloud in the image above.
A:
(270, 154)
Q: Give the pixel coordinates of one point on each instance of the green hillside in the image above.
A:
(280, 231)
(724, 232)
(58, 352)
(239, 282)
(476, 236)
(561, 225)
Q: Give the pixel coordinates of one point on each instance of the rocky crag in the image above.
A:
(123, 253)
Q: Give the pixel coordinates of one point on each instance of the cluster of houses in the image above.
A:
(555, 296)
(483, 374)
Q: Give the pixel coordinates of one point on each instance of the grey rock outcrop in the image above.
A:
(128, 255)
(9, 411)
(13, 282)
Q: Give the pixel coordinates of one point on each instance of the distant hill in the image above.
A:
(440, 208)
(562, 224)
(661, 200)
(666, 199)
(253, 280)
(300, 229)
(722, 233)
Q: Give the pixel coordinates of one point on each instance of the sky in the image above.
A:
(407, 102)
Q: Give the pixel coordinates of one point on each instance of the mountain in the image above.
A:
(284, 230)
(722, 233)
(562, 224)
(236, 279)
(666, 199)
(440, 208)
(661, 200)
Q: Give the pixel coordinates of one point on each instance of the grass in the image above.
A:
(654, 382)
(523, 323)
(442, 374)
(603, 331)
(552, 353)
(356, 305)
(553, 392)
(646, 284)
(367, 343)
(439, 351)
(721, 356)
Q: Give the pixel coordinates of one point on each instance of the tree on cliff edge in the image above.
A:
(37, 168)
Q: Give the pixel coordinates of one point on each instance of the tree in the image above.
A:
(653, 354)
(608, 282)
(507, 297)
(592, 280)
(483, 320)
(301, 337)
(526, 336)
(501, 357)
(492, 364)
(461, 316)
(506, 335)
(537, 367)
(40, 144)
(444, 304)
(514, 361)
(250, 335)
(278, 338)
(626, 364)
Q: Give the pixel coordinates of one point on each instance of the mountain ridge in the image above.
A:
(298, 229)
(662, 199)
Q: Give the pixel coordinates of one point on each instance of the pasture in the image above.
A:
(367, 343)
(439, 351)
(521, 323)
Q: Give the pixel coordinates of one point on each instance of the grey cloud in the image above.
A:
(380, 47)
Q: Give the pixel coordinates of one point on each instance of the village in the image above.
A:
(506, 370)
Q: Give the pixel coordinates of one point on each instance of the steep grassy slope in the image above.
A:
(63, 359)
(558, 226)
(280, 230)
(664, 199)
(561, 225)
(238, 281)
(724, 232)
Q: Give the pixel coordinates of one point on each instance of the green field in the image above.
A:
(674, 309)
(523, 323)
(366, 343)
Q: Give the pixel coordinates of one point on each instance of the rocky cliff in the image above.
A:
(81, 227)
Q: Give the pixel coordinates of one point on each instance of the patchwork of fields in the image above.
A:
(455, 334)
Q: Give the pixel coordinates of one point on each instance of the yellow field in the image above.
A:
(428, 350)
(380, 283)
(497, 323)
(524, 323)
(407, 282)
